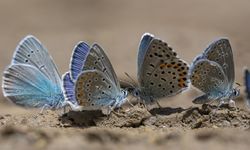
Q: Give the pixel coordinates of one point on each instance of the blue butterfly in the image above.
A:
(247, 83)
(32, 79)
(160, 72)
(91, 83)
(213, 73)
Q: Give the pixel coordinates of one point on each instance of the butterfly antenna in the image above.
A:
(238, 85)
(133, 81)
(123, 82)
(129, 101)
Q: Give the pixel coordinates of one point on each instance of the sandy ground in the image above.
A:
(188, 26)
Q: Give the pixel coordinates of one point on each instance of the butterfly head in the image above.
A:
(124, 93)
(135, 92)
(234, 93)
(121, 99)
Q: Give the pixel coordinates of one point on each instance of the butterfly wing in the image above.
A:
(78, 59)
(98, 60)
(84, 62)
(247, 84)
(26, 86)
(162, 72)
(95, 90)
(220, 51)
(69, 88)
(144, 44)
(209, 77)
(33, 68)
(30, 51)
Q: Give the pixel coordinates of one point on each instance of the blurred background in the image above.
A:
(188, 26)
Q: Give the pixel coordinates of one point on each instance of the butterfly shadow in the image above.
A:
(81, 118)
(166, 111)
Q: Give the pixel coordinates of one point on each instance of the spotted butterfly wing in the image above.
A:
(220, 51)
(94, 90)
(218, 85)
(161, 73)
(209, 77)
(91, 58)
(32, 79)
(90, 62)
(98, 60)
(30, 51)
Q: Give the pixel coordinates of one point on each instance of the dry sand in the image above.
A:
(188, 26)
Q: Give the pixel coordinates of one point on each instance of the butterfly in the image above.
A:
(32, 79)
(213, 73)
(160, 72)
(91, 83)
(247, 83)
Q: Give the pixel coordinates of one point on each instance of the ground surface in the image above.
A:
(188, 26)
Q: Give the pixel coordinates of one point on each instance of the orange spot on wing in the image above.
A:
(162, 65)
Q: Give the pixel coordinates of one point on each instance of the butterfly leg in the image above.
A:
(107, 110)
(129, 102)
(74, 107)
(64, 105)
(144, 104)
(46, 106)
(118, 113)
(159, 106)
(221, 102)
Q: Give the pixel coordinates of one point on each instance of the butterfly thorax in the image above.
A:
(229, 95)
(121, 99)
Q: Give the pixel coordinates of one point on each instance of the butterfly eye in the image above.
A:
(236, 92)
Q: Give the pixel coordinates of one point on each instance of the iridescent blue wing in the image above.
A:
(208, 77)
(69, 88)
(78, 58)
(161, 73)
(27, 86)
(94, 90)
(247, 84)
(30, 51)
(220, 51)
(32, 79)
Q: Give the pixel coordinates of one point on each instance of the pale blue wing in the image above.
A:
(206, 98)
(162, 72)
(78, 59)
(27, 86)
(143, 47)
(30, 51)
(69, 88)
(94, 89)
(220, 51)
